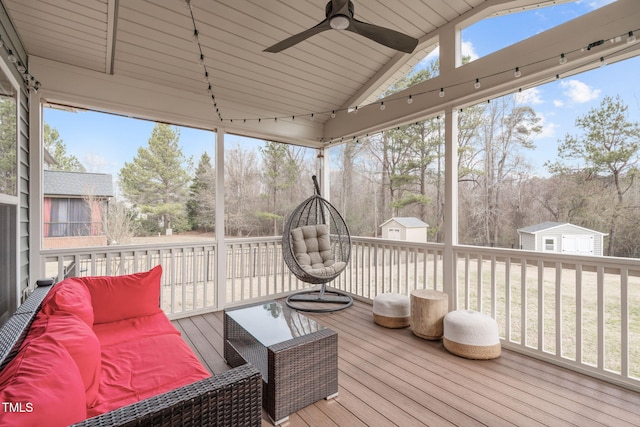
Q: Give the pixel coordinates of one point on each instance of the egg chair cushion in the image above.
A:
(311, 245)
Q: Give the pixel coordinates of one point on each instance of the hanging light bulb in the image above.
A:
(477, 84)
(631, 38)
(355, 110)
(517, 73)
(602, 61)
(441, 92)
(563, 59)
(333, 114)
(21, 68)
(382, 106)
(312, 118)
(410, 100)
(12, 57)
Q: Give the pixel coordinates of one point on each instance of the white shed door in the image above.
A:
(579, 245)
(394, 233)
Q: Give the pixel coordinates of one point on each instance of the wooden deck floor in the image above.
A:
(391, 377)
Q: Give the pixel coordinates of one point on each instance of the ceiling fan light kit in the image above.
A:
(339, 16)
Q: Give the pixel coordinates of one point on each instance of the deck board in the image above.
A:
(392, 377)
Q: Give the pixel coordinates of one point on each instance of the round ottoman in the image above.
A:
(391, 310)
(471, 334)
(428, 308)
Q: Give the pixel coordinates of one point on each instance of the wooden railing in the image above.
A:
(578, 311)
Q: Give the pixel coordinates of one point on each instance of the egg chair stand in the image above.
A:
(316, 247)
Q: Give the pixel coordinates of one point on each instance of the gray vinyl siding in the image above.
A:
(12, 41)
(569, 230)
(528, 242)
(23, 175)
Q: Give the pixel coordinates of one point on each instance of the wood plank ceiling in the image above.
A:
(153, 41)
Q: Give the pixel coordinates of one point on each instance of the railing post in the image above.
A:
(449, 285)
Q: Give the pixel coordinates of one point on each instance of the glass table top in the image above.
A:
(271, 322)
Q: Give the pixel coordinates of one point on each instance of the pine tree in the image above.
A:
(58, 150)
(202, 202)
(156, 181)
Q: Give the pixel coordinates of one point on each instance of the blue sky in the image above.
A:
(104, 142)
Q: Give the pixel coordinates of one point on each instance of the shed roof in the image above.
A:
(548, 225)
(407, 221)
(59, 183)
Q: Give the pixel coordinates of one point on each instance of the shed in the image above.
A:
(410, 229)
(561, 237)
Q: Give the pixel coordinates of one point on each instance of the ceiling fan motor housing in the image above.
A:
(339, 21)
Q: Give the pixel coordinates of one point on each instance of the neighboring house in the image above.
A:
(410, 229)
(561, 237)
(73, 206)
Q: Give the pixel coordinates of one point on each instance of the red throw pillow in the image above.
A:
(70, 296)
(41, 386)
(79, 341)
(124, 297)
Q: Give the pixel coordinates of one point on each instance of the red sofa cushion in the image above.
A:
(134, 329)
(137, 369)
(70, 296)
(123, 297)
(79, 341)
(44, 380)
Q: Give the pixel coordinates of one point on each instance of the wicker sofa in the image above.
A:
(162, 386)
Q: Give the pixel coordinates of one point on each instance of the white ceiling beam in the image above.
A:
(537, 58)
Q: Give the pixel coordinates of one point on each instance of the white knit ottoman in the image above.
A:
(471, 334)
(391, 310)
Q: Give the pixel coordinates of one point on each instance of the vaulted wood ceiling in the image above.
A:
(149, 44)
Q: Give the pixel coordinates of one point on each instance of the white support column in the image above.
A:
(221, 244)
(450, 205)
(322, 172)
(36, 164)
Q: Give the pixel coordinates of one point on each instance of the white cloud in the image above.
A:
(596, 4)
(578, 91)
(558, 103)
(529, 96)
(468, 50)
(548, 129)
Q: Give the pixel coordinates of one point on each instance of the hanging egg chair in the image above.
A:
(316, 247)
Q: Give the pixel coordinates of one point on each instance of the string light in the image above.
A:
(196, 40)
(631, 38)
(563, 59)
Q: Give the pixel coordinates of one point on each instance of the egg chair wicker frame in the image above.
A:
(317, 211)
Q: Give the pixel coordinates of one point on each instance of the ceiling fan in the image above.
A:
(339, 16)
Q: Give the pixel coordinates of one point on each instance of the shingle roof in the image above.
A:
(542, 226)
(550, 224)
(59, 183)
(407, 221)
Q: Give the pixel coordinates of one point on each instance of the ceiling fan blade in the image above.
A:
(297, 38)
(385, 36)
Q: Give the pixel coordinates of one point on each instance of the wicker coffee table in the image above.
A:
(298, 357)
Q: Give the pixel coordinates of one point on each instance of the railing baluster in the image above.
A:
(255, 269)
